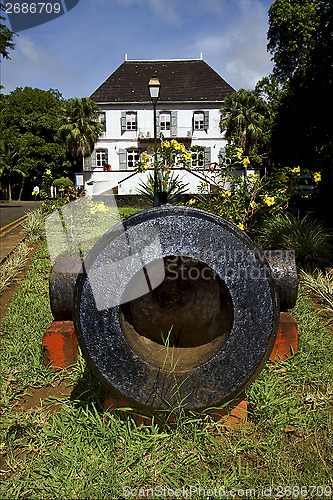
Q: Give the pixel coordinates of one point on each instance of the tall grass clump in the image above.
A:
(320, 284)
(305, 235)
(34, 225)
(12, 265)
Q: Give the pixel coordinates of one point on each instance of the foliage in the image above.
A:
(6, 36)
(300, 40)
(245, 118)
(30, 144)
(47, 181)
(320, 284)
(63, 183)
(80, 128)
(244, 198)
(33, 225)
(175, 188)
(305, 235)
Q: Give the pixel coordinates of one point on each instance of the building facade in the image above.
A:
(188, 110)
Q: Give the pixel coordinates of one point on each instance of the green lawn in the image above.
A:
(66, 447)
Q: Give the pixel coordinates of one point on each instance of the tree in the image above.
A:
(245, 119)
(30, 141)
(81, 128)
(6, 36)
(300, 39)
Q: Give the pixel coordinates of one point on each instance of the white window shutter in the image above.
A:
(122, 159)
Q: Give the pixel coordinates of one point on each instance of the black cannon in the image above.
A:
(174, 305)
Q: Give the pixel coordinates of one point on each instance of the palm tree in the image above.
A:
(80, 128)
(245, 118)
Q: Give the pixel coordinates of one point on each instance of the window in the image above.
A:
(101, 157)
(133, 156)
(198, 158)
(165, 121)
(201, 120)
(198, 121)
(131, 123)
(102, 120)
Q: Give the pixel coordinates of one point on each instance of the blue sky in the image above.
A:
(76, 52)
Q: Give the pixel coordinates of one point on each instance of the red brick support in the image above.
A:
(60, 344)
(286, 339)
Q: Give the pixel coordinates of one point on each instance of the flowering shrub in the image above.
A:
(169, 155)
(241, 197)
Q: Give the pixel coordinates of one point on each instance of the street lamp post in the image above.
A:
(154, 91)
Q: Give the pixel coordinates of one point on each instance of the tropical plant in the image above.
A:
(305, 235)
(80, 128)
(170, 154)
(245, 119)
(174, 188)
(34, 225)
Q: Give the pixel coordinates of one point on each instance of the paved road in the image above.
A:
(11, 217)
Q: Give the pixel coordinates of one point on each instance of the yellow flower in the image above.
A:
(48, 172)
(93, 210)
(317, 176)
(238, 153)
(187, 156)
(246, 162)
(227, 192)
(241, 226)
(269, 200)
(191, 201)
(296, 170)
(166, 144)
(164, 183)
(253, 204)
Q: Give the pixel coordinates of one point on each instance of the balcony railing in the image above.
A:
(145, 133)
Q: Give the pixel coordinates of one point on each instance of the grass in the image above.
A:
(321, 286)
(67, 447)
(12, 265)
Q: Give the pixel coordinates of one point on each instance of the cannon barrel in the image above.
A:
(188, 313)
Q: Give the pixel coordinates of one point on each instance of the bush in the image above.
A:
(63, 183)
(305, 235)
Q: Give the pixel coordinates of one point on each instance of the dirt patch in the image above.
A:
(46, 397)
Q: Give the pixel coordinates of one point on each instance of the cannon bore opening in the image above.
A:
(184, 321)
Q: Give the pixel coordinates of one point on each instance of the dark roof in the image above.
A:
(181, 81)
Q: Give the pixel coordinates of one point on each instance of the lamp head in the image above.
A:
(154, 88)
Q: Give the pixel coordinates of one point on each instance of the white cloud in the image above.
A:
(242, 45)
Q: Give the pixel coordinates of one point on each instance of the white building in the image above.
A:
(188, 110)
